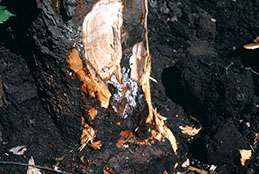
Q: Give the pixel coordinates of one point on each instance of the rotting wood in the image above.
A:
(101, 36)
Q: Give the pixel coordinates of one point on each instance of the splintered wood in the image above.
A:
(143, 77)
(88, 135)
(92, 84)
(192, 131)
(92, 112)
(254, 45)
(137, 62)
(102, 43)
(101, 34)
(245, 155)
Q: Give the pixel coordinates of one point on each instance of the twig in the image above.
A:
(227, 67)
(253, 71)
(30, 165)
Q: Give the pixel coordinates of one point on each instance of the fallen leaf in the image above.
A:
(245, 155)
(189, 130)
(18, 150)
(32, 170)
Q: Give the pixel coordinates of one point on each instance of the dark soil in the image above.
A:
(205, 79)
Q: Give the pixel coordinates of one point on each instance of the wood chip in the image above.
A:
(186, 163)
(126, 136)
(92, 112)
(96, 145)
(253, 46)
(189, 130)
(18, 150)
(32, 170)
(165, 172)
(87, 136)
(197, 170)
(245, 155)
(108, 171)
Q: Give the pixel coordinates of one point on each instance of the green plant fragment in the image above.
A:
(4, 14)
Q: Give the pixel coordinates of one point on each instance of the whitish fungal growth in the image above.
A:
(101, 35)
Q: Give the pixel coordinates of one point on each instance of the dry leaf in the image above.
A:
(189, 130)
(32, 170)
(245, 155)
(18, 150)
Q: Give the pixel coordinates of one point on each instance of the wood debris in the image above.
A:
(137, 62)
(126, 136)
(254, 45)
(92, 84)
(186, 163)
(32, 170)
(108, 171)
(96, 145)
(200, 171)
(157, 136)
(165, 172)
(192, 131)
(18, 150)
(164, 130)
(87, 136)
(92, 112)
(245, 155)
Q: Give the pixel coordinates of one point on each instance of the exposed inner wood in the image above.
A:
(101, 36)
(137, 61)
(92, 84)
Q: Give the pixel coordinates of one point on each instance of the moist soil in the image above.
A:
(205, 79)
